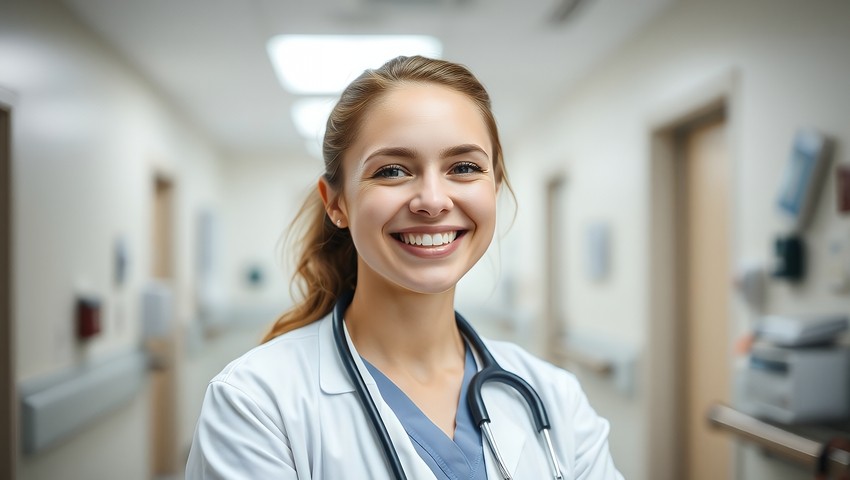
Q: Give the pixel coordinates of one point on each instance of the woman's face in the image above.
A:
(419, 191)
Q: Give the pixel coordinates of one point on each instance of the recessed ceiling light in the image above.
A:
(325, 64)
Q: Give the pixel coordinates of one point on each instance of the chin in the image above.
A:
(434, 287)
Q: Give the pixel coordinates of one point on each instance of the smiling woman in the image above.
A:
(373, 373)
(420, 166)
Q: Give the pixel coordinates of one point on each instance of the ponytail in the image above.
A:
(326, 268)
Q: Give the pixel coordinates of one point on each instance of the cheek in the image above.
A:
(480, 204)
(371, 207)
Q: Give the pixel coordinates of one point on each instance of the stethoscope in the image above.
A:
(490, 371)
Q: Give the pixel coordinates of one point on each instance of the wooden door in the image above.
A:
(705, 273)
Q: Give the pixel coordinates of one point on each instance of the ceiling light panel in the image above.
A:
(325, 64)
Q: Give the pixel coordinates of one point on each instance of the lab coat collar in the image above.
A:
(332, 376)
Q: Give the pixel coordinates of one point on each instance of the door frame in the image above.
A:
(556, 221)
(164, 442)
(663, 375)
(9, 445)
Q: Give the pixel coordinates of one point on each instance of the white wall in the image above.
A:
(792, 67)
(88, 134)
(260, 198)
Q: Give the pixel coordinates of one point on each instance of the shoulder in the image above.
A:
(249, 415)
(282, 361)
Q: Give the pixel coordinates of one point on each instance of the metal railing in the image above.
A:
(597, 365)
(773, 439)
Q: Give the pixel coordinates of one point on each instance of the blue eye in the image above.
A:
(465, 168)
(390, 171)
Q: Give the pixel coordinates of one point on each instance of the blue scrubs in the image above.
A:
(458, 459)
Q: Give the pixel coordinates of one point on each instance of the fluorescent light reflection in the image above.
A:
(325, 64)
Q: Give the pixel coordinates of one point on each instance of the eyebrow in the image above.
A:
(392, 152)
(462, 149)
(405, 152)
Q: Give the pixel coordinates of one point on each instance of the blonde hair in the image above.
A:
(326, 265)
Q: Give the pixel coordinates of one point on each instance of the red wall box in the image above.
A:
(88, 317)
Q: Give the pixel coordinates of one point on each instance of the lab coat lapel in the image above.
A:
(334, 380)
(511, 437)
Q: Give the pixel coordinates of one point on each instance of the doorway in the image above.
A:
(690, 355)
(162, 228)
(8, 404)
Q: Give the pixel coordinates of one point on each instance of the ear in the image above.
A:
(334, 203)
(498, 177)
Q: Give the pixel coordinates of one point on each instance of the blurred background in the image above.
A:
(680, 238)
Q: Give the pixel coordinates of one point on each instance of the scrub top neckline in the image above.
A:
(461, 457)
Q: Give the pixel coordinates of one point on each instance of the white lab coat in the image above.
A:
(287, 410)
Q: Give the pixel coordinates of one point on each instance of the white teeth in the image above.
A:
(427, 240)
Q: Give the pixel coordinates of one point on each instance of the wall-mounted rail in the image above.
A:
(597, 365)
(774, 439)
(60, 405)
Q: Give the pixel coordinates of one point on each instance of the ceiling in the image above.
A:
(208, 57)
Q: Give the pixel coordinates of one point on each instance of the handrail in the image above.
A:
(599, 366)
(772, 438)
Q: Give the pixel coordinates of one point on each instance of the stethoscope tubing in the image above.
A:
(490, 371)
(378, 426)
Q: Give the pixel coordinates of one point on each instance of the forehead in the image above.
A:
(424, 98)
(425, 114)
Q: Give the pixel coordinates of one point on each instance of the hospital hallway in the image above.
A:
(678, 236)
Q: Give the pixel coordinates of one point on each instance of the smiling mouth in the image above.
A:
(428, 239)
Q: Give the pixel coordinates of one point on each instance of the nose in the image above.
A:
(431, 197)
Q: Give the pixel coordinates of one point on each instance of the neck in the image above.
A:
(405, 328)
